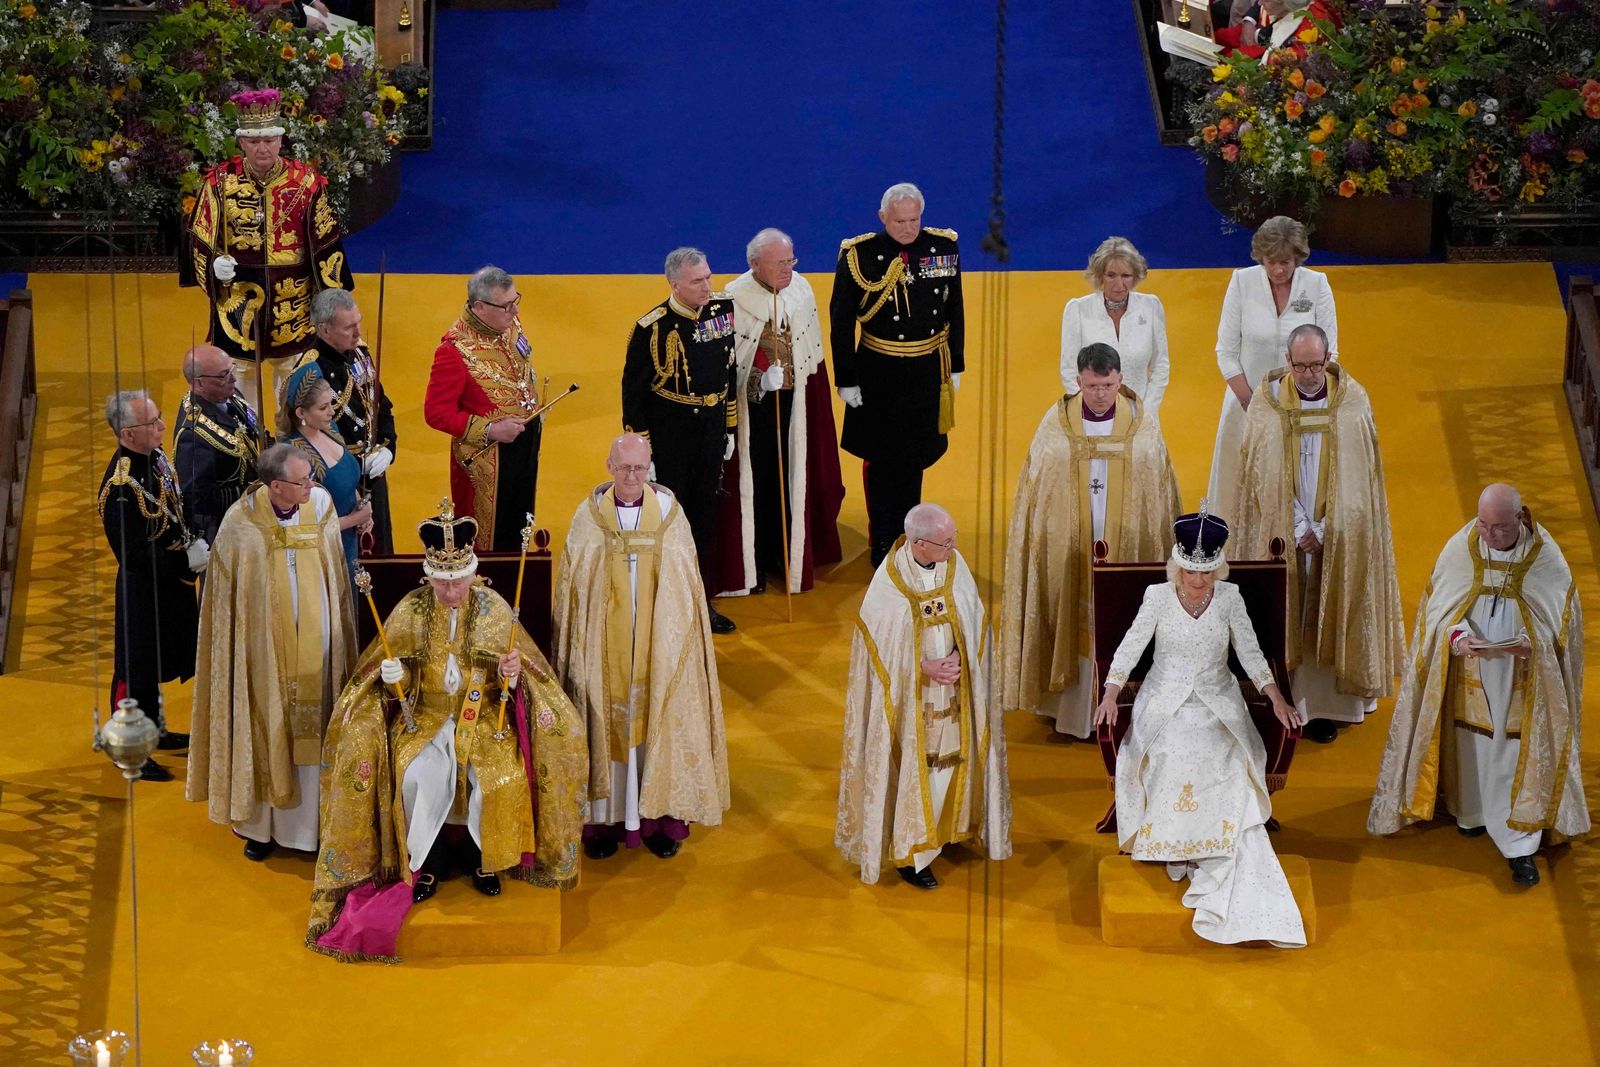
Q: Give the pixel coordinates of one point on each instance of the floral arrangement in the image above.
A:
(125, 118)
(1490, 103)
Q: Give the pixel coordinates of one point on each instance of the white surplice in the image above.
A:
(622, 806)
(296, 826)
(1191, 772)
(1487, 766)
(1251, 340)
(937, 642)
(1140, 340)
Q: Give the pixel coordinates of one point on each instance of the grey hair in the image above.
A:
(925, 519)
(120, 411)
(1280, 237)
(769, 236)
(1307, 329)
(273, 466)
(328, 303)
(679, 258)
(485, 281)
(902, 191)
(1115, 248)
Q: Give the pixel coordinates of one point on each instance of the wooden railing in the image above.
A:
(19, 398)
(1583, 377)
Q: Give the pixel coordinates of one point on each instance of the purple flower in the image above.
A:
(326, 99)
(1357, 153)
(369, 119)
(1541, 144)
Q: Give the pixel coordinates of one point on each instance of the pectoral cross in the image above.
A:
(1096, 486)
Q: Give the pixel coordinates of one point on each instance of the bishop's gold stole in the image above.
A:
(300, 626)
(1301, 421)
(630, 608)
(1114, 448)
(1468, 703)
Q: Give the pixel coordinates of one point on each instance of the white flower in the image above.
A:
(1489, 118)
(1491, 104)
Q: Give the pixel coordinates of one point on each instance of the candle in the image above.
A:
(102, 1055)
(225, 1056)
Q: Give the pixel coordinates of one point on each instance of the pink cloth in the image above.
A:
(369, 923)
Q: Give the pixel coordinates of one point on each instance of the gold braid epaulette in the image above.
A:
(150, 507)
(119, 476)
(941, 232)
(212, 433)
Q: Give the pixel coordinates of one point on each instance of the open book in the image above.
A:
(1176, 41)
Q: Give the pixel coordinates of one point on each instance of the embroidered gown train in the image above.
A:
(1191, 773)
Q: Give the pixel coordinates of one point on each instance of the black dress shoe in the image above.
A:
(600, 848)
(424, 887)
(154, 772)
(760, 586)
(486, 882)
(1472, 831)
(720, 623)
(259, 850)
(661, 845)
(1322, 731)
(173, 742)
(922, 879)
(1523, 872)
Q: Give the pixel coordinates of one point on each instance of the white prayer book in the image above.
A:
(1176, 41)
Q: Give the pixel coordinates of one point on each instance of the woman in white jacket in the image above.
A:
(1263, 305)
(1131, 322)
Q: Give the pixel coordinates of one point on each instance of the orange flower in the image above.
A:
(1576, 155)
(1315, 90)
(392, 137)
(1467, 109)
(1397, 128)
(1401, 104)
(1296, 78)
(1226, 126)
(188, 205)
(117, 92)
(1419, 84)
(1293, 108)
(1397, 65)
(288, 52)
(1318, 157)
(1419, 102)
(1230, 152)
(1317, 136)
(1209, 134)
(336, 62)
(1590, 88)
(1591, 107)
(1347, 188)
(27, 11)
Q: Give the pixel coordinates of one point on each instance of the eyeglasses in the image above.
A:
(791, 261)
(631, 468)
(946, 545)
(304, 483)
(215, 377)
(1307, 368)
(141, 425)
(1499, 527)
(510, 305)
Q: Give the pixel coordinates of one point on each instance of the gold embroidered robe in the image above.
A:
(1350, 599)
(1546, 712)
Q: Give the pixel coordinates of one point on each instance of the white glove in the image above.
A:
(223, 267)
(955, 380)
(771, 380)
(373, 464)
(727, 450)
(199, 554)
(851, 395)
(391, 671)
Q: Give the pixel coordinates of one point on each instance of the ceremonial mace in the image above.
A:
(516, 614)
(573, 388)
(364, 586)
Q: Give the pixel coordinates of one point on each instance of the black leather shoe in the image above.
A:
(1322, 731)
(486, 882)
(661, 845)
(600, 848)
(720, 623)
(922, 879)
(1472, 831)
(424, 887)
(154, 772)
(173, 742)
(257, 851)
(1523, 872)
(760, 586)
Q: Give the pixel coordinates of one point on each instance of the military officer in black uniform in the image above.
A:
(215, 440)
(363, 416)
(679, 390)
(157, 617)
(903, 286)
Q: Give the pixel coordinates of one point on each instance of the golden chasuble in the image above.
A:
(630, 609)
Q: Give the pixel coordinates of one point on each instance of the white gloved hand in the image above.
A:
(391, 671)
(727, 450)
(771, 380)
(223, 268)
(373, 464)
(955, 380)
(199, 554)
(851, 395)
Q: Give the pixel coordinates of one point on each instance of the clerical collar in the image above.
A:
(1090, 416)
(284, 514)
(1320, 394)
(924, 566)
(627, 504)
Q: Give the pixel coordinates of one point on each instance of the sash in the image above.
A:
(630, 609)
(466, 730)
(301, 627)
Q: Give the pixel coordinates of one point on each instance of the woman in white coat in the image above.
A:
(1263, 305)
(1191, 773)
(1133, 323)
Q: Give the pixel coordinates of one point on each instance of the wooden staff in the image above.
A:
(573, 388)
(364, 584)
(783, 504)
(516, 613)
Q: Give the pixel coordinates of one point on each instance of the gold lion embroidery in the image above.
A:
(1186, 802)
(1144, 831)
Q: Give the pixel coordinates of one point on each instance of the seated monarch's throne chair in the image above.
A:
(1118, 590)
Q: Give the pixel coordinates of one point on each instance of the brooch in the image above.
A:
(1300, 306)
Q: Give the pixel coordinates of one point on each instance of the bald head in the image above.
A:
(1500, 516)
(629, 448)
(629, 464)
(209, 372)
(931, 532)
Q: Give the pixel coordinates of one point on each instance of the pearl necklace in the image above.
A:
(1195, 611)
(1117, 305)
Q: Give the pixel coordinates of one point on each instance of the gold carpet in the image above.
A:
(757, 945)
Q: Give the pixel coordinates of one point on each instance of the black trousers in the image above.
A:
(893, 487)
(686, 443)
(515, 486)
(771, 491)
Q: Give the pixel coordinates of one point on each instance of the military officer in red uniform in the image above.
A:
(483, 392)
